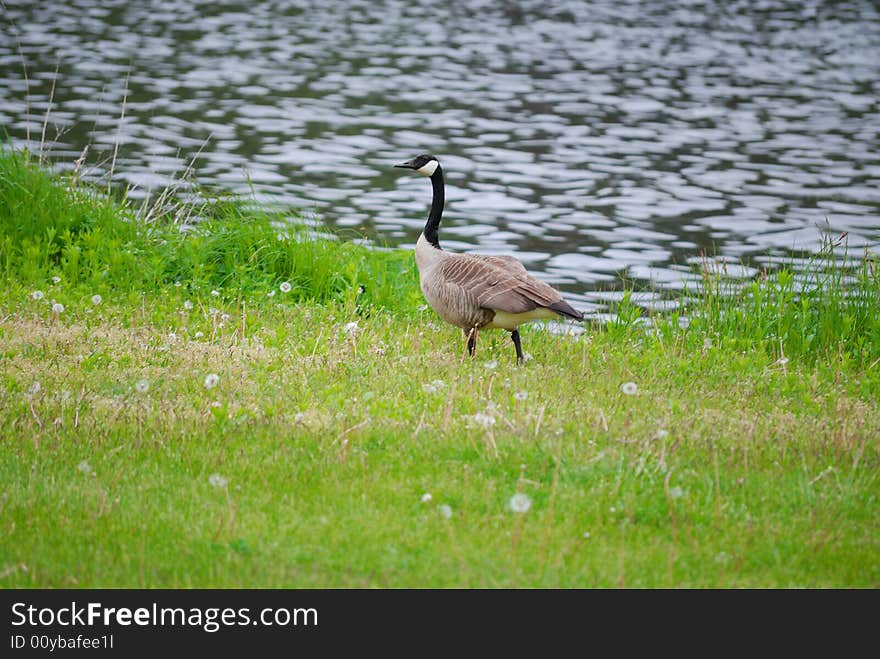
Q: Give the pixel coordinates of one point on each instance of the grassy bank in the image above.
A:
(156, 434)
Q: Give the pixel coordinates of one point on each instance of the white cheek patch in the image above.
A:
(428, 168)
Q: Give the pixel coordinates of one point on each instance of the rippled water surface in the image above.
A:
(593, 139)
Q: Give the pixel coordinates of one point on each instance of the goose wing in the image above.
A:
(500, 283)
(503, 261)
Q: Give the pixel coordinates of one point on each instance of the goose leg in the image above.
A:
(516, 344)
(472, 341)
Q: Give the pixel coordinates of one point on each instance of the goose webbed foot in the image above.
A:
(516, 344)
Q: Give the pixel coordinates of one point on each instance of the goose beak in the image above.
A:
(406, 165)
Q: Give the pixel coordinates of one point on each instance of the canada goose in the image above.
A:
(476, 291)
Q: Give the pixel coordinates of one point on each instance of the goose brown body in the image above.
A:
(476, 291)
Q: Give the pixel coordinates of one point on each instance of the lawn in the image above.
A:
(253, 404)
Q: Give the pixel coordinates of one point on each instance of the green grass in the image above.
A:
(52, 226)
(748, 456)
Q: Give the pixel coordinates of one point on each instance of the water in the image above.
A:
(595, 140)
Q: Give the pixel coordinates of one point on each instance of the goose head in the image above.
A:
(425, 164)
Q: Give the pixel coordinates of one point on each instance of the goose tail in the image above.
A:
(563, 308)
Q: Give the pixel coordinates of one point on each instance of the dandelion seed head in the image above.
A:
(224, 317)
(215, 293)
(299, 417)
(676, 492)
(484, 420)
(445, 511)
(629, 388)
(97, 299)
(56, 279)
(350, 328)
(707, 343)
(527, 357)
(426, 497)
(213, 311)
(211, 380)
(285, 287)
(722, 557)
(142, 386)
(521, 395)
(271, 293)
(177, 284)
(520, 503)
(187, 305)
(491, 364)
(37, 295)
(199, 334)
(217, 480)
(84, 467)
(433, 387)
(662, 434)
(34, 388)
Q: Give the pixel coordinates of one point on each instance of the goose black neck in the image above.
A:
(433, 222)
